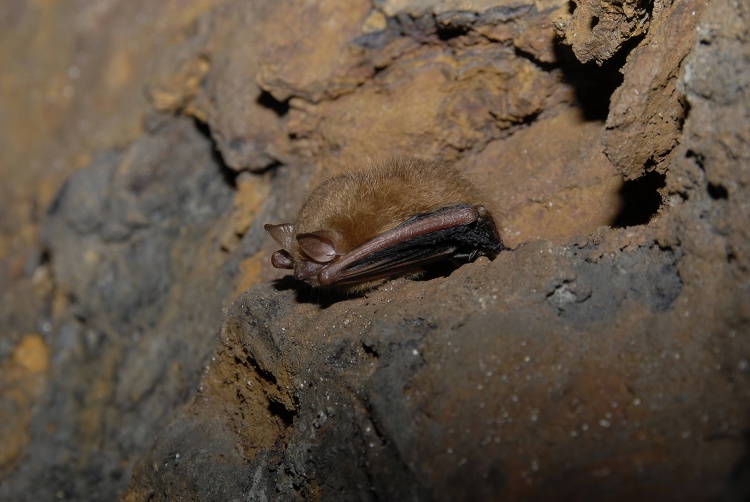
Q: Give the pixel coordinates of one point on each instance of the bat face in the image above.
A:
(390, 219)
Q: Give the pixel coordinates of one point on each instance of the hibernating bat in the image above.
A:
(389, 219)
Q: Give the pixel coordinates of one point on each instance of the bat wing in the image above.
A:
(457, 232)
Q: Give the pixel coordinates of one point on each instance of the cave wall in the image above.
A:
(150, 351)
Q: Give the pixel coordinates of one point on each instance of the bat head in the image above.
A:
(307, 254)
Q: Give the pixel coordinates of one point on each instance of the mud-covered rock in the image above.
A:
(604, 357)
(527, 376)
(604, 367)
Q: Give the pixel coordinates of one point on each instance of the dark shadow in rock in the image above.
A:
(285, 415)
(594, 84)
(308, 294)
(229, 174)
(639, 200)
(740, 475)
(325, 297)
(435, 270)
(717, 191)
(266, 100)
(286, 283)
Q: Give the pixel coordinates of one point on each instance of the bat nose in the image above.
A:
(282, 259)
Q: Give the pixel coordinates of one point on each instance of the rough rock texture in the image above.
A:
(476, 399)
(596, 31)
(647, 111)
(605, 357)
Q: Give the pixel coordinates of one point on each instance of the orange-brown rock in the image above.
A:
(647, 111)
(143, 145)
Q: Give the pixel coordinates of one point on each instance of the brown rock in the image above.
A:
(646, 111)
(588, 363)
(23, 378)
(597, 30)
(245, 124)
(470, 390)
(539, 185)
(311, 59)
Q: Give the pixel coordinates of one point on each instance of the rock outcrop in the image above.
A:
(149, 351)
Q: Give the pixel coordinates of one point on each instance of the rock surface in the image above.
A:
(605, 357)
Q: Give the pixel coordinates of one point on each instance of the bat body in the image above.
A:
(386, 220)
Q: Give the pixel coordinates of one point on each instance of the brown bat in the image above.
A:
(387, 220)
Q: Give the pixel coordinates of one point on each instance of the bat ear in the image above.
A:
(282, 233)
(320, 245)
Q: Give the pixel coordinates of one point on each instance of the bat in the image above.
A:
(389, 219)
